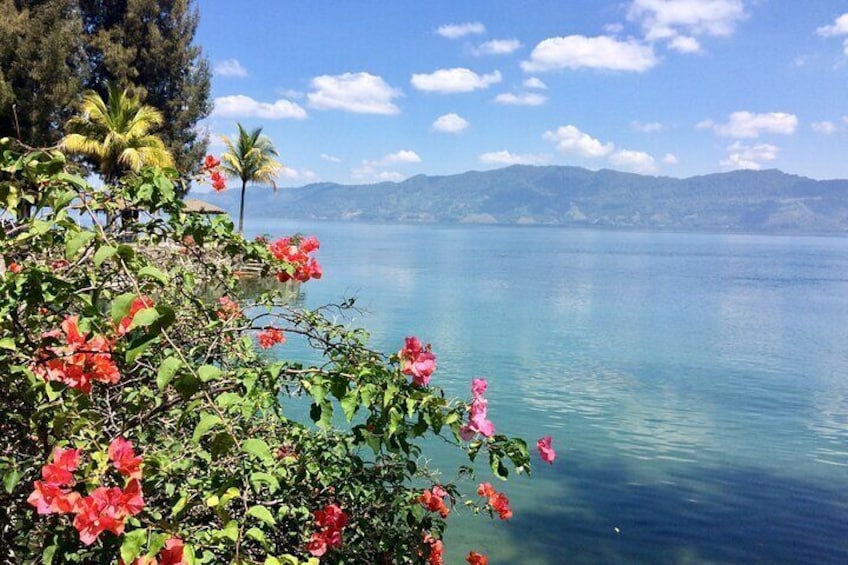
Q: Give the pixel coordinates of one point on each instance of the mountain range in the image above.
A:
(745, 200)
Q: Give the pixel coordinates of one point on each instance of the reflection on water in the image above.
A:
(694, 384)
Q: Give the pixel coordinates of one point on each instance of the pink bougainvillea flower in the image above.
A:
(475, 558)
(269, 337)
(172, 553)
(486, 489)
(331, 520)
(228, 309)
(478, 423)
(437, 550)
(14, 268)
(317, 545)
(433, 500)
(500, 504)
(50, 498)
(331, 517)
(478, 387)
(211, 162)
(122, 456)
(60, 471)
(546, 450)
(417, 361)
(295, 251)
(106, 509)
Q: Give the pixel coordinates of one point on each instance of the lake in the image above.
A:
(696, 385)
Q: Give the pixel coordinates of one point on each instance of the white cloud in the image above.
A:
(450, 123)
(507, 158)
(670, 159)
(667, 19)
(614, 28)
(454, 80)
(838, 27)
(824, 127)
(523, 99)
(649, 127)
(498, 47)
(402, 156)
(569, 139)
(741, 156)
(362, 93)
(455, 31)
(635, 161)
(229, 68)
(601, 52)
(685, 44)
(368, 173)
(535, 83)
(302, 175)
(241, 106)
(750, 125)
(330, 158)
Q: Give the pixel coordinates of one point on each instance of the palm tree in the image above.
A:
(116, 133)
(250, 157)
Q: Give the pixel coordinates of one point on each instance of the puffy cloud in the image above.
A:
(838, 27)
(750, 125)
(298, 175)
(569, 139)
(535, 83)
(824, 127)
(450, 123)
(685, 44)
(362, 93)
(330, 158)
(649, 127)
(229, 68)
(402, 156)
(368, 173)
(741, 156)
(241, 106)
(668, 19)
(523, 99)
(498, 47)
(579, 51)
(636, 161)
(670, 159)
(507, 158)
(454, 80)
(455, 31)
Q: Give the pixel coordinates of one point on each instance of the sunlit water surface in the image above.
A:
(696, 385)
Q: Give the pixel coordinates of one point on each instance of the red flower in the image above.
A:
(14, 268)
(317, 545)
(211, 162)
(437, 550)
(137, 305)
(500, 504)
(433, 500)
(106, 509)
(269, 337)
(172, 554)
(123, 457)
(486, 489)
(50, 498)
(475, 558)
(331, 519)
(295, 251)
(218, 182)
(228, 309)
(65, 462)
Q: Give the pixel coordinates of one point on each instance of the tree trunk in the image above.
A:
(241, 207)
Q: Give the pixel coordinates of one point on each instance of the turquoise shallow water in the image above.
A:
(696, 385)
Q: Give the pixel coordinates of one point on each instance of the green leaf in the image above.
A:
(230, 531)
(153, 273)
(258, 535)
(121, 306)
(350, 404)
(322, 415)
(10, 479)
(144, 317)
(259, 478)
(257, 448)
(206, 423)
(8, 343)
(104, 253)
(270, 560)
(167, 370)
(222, 443)
(132, 543)
(207, 373)
(49, 552)
(73, 246)
(262, 514)
(498, 468)
(180, 505)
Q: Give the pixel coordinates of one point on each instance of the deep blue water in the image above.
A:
(696, 385)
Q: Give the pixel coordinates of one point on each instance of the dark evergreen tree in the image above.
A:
(42, 68)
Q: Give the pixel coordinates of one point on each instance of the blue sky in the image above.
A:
(360, 92)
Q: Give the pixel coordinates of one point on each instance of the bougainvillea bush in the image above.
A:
(142, 419)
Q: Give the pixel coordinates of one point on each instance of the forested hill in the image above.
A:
(770, 200)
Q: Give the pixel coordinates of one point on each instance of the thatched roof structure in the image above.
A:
(200, 207)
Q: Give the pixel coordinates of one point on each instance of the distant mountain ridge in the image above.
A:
(757, 201)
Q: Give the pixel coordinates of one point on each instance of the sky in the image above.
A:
(363, 91)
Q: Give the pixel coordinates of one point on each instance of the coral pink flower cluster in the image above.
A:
(171, 554)
(478, 423)
(498, 501)
(210, 166)
(331, 520)
(546, 450)
(295, 251)
(475, 558)
(437, 550)
(417, 361)
(433, 500)
(228, 309)
(79, 361)
(105, 509)
(269, 337)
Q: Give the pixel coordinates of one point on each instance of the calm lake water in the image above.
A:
(696, 385)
